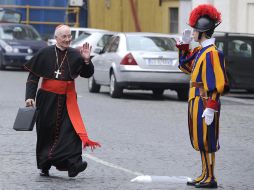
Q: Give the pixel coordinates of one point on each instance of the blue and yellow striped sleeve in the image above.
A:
(186, 59)
(214, 76)
(213, 72)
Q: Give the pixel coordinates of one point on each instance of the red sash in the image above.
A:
(68, 88)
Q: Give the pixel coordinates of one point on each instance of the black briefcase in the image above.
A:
(25, 119)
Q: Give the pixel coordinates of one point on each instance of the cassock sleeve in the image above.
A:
(31, 86)
(43, 63)
(87, 70)
(214, 77)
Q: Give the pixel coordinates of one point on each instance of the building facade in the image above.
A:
(166, 16)
(134, 15)
(45, 15)
(237, 15)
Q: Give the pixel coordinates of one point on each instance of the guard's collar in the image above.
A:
(208, 42)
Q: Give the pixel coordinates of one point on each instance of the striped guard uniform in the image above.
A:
(206, 65)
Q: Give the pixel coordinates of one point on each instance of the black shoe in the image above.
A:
(44, 173)
(212, 184)
(193, 182)
(75, 170)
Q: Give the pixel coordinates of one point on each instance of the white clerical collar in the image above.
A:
(208, 42)
(62, 49)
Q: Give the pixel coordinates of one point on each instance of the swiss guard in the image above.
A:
(206, 66)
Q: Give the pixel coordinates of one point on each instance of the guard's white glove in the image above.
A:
(186, 38)
(208, 114)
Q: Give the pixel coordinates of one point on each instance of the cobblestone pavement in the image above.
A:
(139, 135)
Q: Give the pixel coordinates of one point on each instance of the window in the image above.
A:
(19, 32)
(220, 45)
(73, 34)
(81, 37)
(173, 17)
(114, 45)
(240, 48)
(150, 43)
(105, 38)
(108, 44)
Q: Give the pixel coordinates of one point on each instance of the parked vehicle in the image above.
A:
(18, 43)
(95, 37)
(147, 61)
(75, 33)
(51, 40)
(238, 49)
(9, 15)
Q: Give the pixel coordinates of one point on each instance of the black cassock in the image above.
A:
(57, 142)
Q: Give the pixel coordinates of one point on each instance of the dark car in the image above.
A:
(18, 43)
(239, 50)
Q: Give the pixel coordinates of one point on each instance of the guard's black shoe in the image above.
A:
(212, 184)
(193, 182)
(44, 173)
(75, 170)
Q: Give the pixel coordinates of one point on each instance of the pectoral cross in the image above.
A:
(57, 73)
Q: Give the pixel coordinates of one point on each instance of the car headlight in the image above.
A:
(6, 46)
(29, 50)
(15, 50)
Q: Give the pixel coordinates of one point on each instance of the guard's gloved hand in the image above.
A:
(186, 37)
(208, 114)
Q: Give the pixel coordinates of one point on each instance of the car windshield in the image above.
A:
(81, 37)
(18, 32)
(150, 43)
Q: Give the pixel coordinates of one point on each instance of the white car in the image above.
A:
(75, 32)
(147, 61)
(95, 37)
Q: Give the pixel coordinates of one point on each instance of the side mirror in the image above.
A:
(98, 51)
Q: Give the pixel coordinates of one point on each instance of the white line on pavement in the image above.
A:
(98, 160)
(141, 178)
(161, 179)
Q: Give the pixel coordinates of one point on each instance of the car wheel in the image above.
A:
(114, 90)
(92, 86)
(183, 94)
(157, 93)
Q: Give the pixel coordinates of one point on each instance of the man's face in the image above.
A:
(195, 35)
(63, 37)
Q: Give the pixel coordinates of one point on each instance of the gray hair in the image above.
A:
(59, 29)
